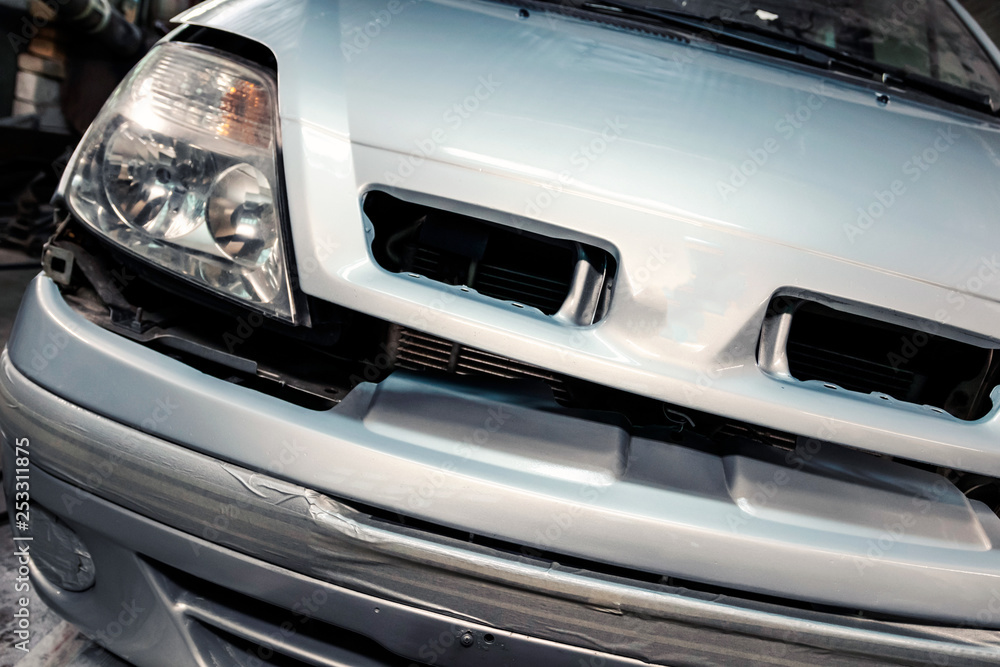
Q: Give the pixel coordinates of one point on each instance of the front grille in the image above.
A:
(870, 355)
(498, 261)
(811, 361)
(525, 286)
(640, 415)
(414, 350)
(230, 628)
(732, 431)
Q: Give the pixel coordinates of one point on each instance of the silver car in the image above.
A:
(583, 333)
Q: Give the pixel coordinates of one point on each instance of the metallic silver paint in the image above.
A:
(687, 630)
(410, 444)
(697, 263)
(635, 143)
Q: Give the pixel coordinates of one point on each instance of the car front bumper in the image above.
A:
(174, 479)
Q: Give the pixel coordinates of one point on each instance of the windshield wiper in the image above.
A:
(711, 29)
(792, 47)
(942, 90)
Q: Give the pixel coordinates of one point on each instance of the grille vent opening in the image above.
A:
(230, 628)
(641, 416)
(417, 351)
(556, 276)
(868, 355)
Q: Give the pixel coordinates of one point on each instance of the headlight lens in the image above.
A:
(180, 168)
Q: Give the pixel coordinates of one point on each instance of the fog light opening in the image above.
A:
(59, 554)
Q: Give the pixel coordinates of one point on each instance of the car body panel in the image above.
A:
(799, 527)
(698, 263)
(661, 625)
(716, 180)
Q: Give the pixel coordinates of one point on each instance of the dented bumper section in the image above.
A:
(476, 507)
(416, 594)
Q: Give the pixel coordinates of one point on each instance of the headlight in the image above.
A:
(180, 168)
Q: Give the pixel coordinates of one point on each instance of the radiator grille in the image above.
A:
(414, 350)
(870, 355)
(531, 289)
(502, 262)
(851, 372)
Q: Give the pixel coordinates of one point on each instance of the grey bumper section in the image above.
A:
(406, 591)
(129, 492)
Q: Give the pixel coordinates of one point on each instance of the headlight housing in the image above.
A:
(180, 168)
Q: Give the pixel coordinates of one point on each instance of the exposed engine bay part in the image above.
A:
(566, 279)
(28, 219)
(869, 350)
(319, 367)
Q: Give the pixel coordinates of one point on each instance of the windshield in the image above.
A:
(924, 37)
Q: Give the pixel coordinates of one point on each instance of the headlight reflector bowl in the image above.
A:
(180, 168)
(241, 214)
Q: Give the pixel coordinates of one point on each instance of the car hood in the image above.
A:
(715, 180)
(760, 149)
